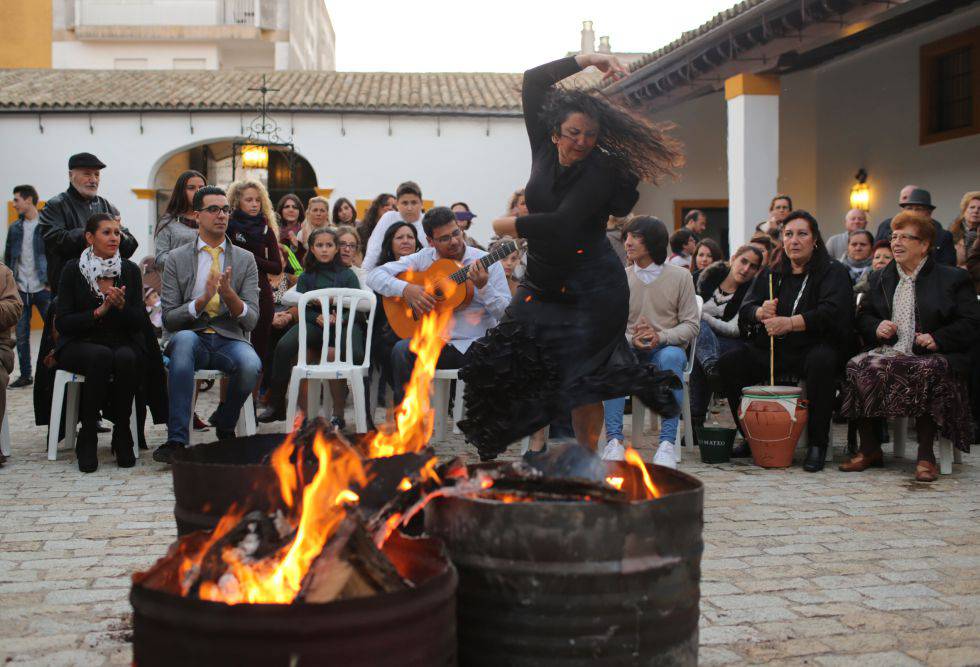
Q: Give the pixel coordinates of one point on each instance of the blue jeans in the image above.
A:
(665, 358)
(40, 300)
(189, 351)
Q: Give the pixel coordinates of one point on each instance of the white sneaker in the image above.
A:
(614, 451)
(665, 455)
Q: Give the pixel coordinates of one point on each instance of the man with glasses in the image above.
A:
(210, 304)
(491, 296)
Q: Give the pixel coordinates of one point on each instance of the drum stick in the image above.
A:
(772, 346)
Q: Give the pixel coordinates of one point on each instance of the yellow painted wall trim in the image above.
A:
(323, 192)
(145, 193)
(751, 84)
(26, 31)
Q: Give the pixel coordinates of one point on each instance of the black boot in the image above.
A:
(741, 450)
(86, 444)
(122, 446)
(815, 458)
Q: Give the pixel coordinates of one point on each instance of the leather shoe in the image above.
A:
(271, 414)
(225, 435)
(22, 381)
(862, 462)
(122, 446)
(926, 471)
(86, 443)
(165, 452)
(814, 458)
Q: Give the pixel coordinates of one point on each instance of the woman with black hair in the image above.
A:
(382, 204)
(561, 345)
(175, 227)
(706, 253)
(344, 213)
(99, 319)
(810, 316)
(291, 215)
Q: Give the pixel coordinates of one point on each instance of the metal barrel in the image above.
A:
(414, 627)
(577, 583)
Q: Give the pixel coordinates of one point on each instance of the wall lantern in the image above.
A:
(860, 192)
(255, 157)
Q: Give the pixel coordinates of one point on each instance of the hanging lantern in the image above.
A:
(860, 192)
(255, 157)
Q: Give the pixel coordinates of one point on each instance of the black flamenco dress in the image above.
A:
(561, 343)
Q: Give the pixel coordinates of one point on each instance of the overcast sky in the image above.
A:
(499, 35)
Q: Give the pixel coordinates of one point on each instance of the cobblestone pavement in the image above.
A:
(814, 569)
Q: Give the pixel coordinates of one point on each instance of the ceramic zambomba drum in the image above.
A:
(773, 417)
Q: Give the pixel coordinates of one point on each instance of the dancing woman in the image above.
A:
(561, 345)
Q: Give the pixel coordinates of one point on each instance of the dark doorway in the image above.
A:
(716, 210)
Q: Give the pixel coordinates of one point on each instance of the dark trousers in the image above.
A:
(285, 356)
(403, 361)
(817, 366)
(98, 363)
(40, 300)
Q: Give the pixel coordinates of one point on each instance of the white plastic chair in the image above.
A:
(246, 418)
(345, 302)
(66, 382)
(441, 383)
(948, 455)
(639, 410)
(5, 437)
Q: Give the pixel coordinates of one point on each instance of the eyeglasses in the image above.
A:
(449, 237)
(214, 209)
(904, 237)
(347, 246)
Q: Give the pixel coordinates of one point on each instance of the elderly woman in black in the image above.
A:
(561, 346)
(810, 317)
(100, 316)
(919, 321)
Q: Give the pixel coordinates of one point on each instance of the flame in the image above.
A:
(615, 482)
(428, 471)
(405, 484)
(413, 418)
(634, 459)
(286, 471)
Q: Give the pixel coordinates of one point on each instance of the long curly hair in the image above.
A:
(635, 144)
(235, 191)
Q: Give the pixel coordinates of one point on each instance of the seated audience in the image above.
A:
(857, 259)
(382, 204)
(175, 227)
(662, 323)
(282, 318)
(324, 269)
(722, 287)
(291, 216)
(918, 322)
(491, 297)
(317, 216)
(964, 228)
(881, 255)
(914, 199)
(210, 304)
(682, 246)
(10, 312)
(348, 247)
(779, 208)
(464, 216)
(764, 243)
(99, 319)
(344, 214)
(810, 316)
(706, 253)
(408, 208)
(855, 220)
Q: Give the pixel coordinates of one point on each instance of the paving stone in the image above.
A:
(881, 659)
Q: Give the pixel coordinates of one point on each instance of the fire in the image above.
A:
(615, 482)
(634, 459)
(278, 579)
(405, 484)
(413, 418)
(285, 471)
(428, 471)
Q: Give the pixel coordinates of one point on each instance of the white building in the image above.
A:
(169, 34)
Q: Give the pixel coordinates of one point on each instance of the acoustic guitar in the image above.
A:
(446, 282)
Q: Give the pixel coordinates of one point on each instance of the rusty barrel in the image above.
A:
(411, 628)
(577, 583)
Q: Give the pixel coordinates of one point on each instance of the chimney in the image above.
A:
(588, 38)
(604, 45)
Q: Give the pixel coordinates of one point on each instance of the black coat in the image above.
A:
(945, 307)
(827, 307)
(71, 315)
(62, 223)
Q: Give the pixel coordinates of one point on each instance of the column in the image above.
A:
(753, 152)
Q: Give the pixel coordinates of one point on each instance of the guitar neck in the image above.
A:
(495, 256)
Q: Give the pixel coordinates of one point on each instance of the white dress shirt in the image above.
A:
(469, 323)
(373, 251)
(648, 274)
(203, 269)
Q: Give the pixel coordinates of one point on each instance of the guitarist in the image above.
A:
(491, 294)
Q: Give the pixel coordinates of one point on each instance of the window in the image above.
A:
(950, 88)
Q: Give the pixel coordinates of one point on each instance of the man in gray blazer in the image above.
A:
(210, 303)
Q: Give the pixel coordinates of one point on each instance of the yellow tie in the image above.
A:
(215, 303)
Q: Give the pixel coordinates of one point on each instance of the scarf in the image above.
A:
(856, 268)
(903, 308)
(93, 267)
(245, 228)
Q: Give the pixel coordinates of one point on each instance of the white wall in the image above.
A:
(158, 55)
(461, 164)
(312, 44)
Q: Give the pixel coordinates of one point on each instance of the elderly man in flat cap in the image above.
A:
(63, 217)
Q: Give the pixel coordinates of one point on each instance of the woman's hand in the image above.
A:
(779, 326)
(505, 227)
(886, 330)
(282, 320)
(767, 311)
(115, 297)
(319, 320)
(926, 341)
(606, 63)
